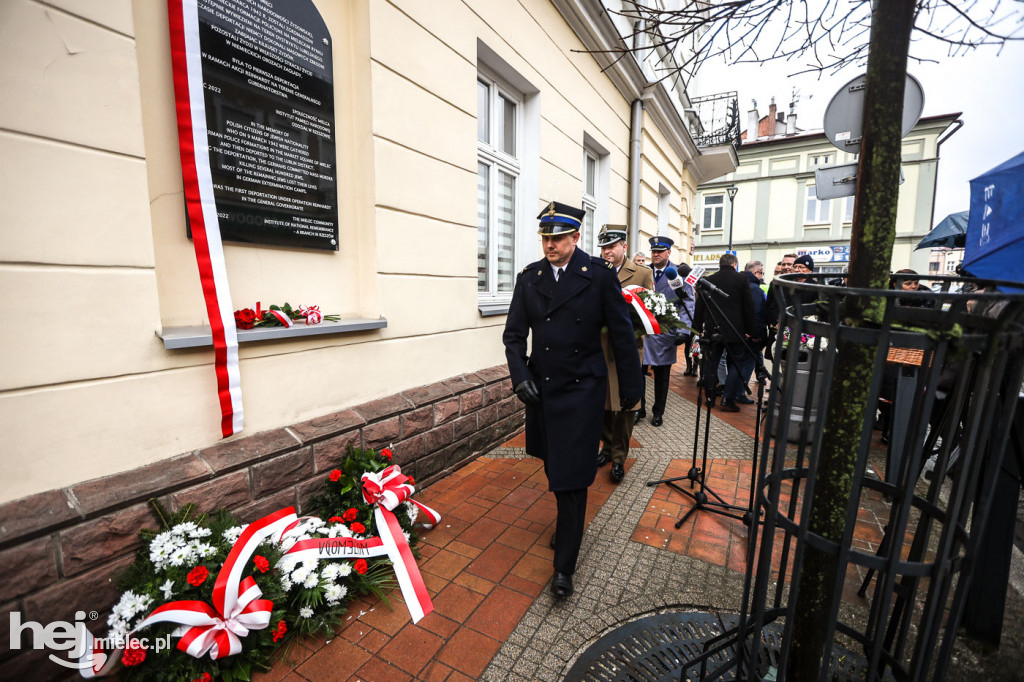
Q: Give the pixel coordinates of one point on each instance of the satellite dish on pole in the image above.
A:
(844, 116)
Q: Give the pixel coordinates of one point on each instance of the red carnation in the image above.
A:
(357, 527)
(351, 514)
(412, 481)
(360, 566)
(205, 677)
(261, 563)
(386, 454)
(280, 631)
(335, 475)
(245, 318)
(134, 653)
(335, 519)
(197, 576)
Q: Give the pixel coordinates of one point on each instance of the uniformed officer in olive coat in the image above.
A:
(618, 421)
(564, 301)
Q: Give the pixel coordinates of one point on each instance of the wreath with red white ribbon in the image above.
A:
(210, 599)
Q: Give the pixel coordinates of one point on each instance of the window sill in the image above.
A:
(492, 308)
(817, 226)
(196, 337)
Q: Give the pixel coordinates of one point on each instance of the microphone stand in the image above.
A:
(697, 475)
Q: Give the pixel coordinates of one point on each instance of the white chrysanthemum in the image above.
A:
(184, 528)
(132, 603)
(159, 555)
(314, 524)
(203, 550)
(311, 564)
(112, 620)
(200, 533)
(306, 612)
(287, 563)
(163, 538)
(412, 510)
(286, 583)
(118, 631)
(330, 571)
(344, 569)
(180, 555)
(300, 574)
(168, 588)
(339, 530)
(335, 593)
(311, 581)
(232, 534)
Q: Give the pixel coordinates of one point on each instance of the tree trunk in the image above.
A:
(874, 231)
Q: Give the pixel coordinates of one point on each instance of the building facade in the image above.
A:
(775, 209)
(456, 122)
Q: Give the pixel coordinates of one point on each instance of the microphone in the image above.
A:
(712, 288)
(695, 279)
(676, 282)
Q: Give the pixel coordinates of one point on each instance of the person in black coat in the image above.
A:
(564, 301)
(741, 369)
(724, 324)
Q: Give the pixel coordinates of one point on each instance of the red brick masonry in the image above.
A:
(61, 550)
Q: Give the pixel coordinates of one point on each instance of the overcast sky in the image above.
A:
(987, 87)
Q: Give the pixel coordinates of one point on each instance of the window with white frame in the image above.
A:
(818, 212)
(499, 125)
(821, 159)
(664, 208)
(590, 189)
(848, 210)
(714, 205)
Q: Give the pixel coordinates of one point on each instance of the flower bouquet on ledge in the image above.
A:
(280, 316)
(210, 599)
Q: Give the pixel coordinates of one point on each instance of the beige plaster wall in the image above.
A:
(92, 234)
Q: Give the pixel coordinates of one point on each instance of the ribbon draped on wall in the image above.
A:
(202, 211)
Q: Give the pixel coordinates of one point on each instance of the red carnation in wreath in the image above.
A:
(197, 576)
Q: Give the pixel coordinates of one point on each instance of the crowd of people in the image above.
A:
(576, 364)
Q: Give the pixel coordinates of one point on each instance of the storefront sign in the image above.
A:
(268, 84)
(827, 254)
(706, 259)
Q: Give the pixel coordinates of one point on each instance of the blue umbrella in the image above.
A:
(951, 232)
(995, 232)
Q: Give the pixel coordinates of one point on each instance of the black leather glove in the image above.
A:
(680, 340)
(627, 402)
(527, 392)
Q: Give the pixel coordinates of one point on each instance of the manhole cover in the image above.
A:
(656, 648)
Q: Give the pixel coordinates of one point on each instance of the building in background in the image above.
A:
(944, 261)
(775, 211)
(455, 123)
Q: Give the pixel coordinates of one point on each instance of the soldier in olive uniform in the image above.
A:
(563, 301)
(618, 422)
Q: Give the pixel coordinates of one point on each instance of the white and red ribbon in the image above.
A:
(215, 628)
(647, 319)
(385, 490)
(312, 313)
(193, 144)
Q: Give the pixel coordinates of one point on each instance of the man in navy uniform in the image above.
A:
(660, 349)
(564, 301)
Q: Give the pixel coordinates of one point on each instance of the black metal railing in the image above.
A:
(720, 119)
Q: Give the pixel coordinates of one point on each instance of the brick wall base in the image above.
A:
(61, 550)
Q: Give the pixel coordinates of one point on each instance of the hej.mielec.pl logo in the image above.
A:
(73, 638)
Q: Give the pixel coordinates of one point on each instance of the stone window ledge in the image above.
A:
(195, 337)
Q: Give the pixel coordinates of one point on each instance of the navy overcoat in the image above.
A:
(566, 361)
(660, 349)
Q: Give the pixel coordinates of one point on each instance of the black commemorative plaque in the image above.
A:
(269, 92)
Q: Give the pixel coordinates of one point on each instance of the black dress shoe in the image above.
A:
(618, 472)
(561, 585)
(642, 414)
(690, 373)
(656, 420)
(745, 401)
(602, 459)
(730, 406)
(552, 541)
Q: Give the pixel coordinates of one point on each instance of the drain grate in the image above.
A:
(656, 649)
